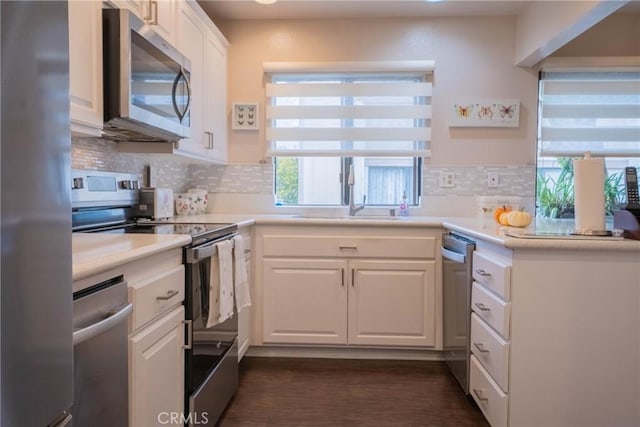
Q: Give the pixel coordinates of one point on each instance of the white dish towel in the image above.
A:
(243, 298)
(221, 284)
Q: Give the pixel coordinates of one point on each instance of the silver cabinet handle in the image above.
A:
(170, 294)
(353, 277)
(147, 18)
(209, 142)
(478, 394)
(483, 273)
(153, 5)
(348, 248)
(482, 307)
(342, 273)
(81, 335)
(189, 344)
(480, 347)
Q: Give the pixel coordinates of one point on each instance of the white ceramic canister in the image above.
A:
(201, 198)
(183, 204)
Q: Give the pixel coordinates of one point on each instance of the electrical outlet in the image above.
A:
(447, 179)
(492, 179)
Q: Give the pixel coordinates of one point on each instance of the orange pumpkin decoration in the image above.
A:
(499, 211)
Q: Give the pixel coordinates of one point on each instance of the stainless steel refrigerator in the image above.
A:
(35, 152)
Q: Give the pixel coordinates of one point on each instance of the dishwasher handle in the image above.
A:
(453, 256)
(81, 335)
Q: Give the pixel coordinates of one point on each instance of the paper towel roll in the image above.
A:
(588, 176)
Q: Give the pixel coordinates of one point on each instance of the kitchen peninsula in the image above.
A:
(572, 354)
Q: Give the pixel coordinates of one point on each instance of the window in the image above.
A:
(322, 123)
(579, 111)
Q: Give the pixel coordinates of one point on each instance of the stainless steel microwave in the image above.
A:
(147, 95)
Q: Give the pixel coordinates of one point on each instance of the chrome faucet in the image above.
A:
(353, 209)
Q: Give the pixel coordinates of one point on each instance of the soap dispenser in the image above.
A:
(404, 207)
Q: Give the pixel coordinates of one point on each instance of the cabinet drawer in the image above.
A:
(492, 274)
(491, 309)
(154, 295)
(491, 350)
(350, 246)
(492, 401)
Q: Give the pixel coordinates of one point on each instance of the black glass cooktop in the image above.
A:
(198, 232)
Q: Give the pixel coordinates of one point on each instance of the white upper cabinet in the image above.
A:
(85, 67)
(207, 52)
(215, 98)
(159, 14)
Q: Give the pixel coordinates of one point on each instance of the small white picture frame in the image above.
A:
(245, 116)
(484, 113)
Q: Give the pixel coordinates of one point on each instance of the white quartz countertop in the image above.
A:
(244, 220)
(94, 253)
(542, 234)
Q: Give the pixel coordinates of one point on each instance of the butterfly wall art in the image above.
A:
(245, 116)
(484, 113)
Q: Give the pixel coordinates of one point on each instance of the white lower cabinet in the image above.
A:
(555, 342)
(305, 301)
(156, 338)
(157, 370)
(487, 394)
(392, 303)
(353, 288)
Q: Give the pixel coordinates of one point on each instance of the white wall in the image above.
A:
(474, 58)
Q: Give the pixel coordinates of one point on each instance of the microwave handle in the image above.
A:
(183, 114)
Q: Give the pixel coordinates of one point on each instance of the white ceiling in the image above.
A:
(331, 9)
(319, 9)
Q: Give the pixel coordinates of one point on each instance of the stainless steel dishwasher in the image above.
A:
(100, 362)
(457, 255)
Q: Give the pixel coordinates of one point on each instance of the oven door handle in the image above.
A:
(81, 335)
(206, 251)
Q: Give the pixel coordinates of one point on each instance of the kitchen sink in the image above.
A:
(347, 217)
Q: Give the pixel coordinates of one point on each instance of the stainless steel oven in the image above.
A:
(457, 255)
(211, 361)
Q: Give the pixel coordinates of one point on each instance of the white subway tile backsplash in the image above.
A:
(257, 179)
(514, 180)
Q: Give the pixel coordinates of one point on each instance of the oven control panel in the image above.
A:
(98, 188)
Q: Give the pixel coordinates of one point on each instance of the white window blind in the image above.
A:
(596, 111)
(344, 111)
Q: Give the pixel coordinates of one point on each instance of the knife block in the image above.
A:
(629, 221)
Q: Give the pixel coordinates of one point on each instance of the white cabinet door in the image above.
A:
(392, 303)
(215, 98)
(85, 67)
(161, 16)
(190, 41)
(156, 380)
(304, 301)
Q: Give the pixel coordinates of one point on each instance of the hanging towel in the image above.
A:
(221, 284)
(241, 284)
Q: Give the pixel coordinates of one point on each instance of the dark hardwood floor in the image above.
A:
(339, 392)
